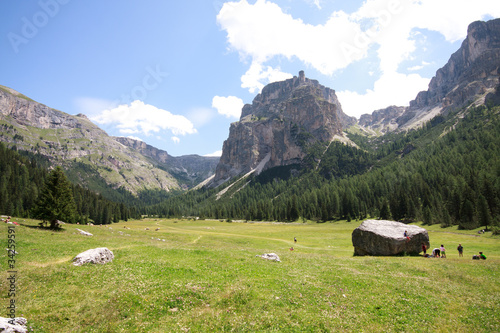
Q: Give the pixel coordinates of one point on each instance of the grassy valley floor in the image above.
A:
(202, 276)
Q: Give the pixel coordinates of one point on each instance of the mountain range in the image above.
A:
(91, 156)
(287, 119)
(290, 125)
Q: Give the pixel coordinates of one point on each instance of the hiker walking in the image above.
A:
(460, 249)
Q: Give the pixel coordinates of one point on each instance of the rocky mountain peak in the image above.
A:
(471, 74)
(276, 128)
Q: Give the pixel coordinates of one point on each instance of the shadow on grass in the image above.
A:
(39, 227)
(401, 254)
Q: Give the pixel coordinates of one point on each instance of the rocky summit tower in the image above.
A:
(279, 124)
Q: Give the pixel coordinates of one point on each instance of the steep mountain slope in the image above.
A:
(471, 74)
(87, 152)
(278, 127)
(189, 170)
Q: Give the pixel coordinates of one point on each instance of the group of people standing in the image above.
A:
(440, 252)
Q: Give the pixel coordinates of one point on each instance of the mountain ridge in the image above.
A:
(76, 143)
(469, 76)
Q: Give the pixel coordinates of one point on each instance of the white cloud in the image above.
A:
(144, 118)
(415, 68)
(419, 67)
(391, 89)
(257, 77)
(175, 139)
(134, 138)
(228, 106)
(218, 153)
(263, 31)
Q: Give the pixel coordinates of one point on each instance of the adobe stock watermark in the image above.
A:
(150, 82)
(32, 25)
(11, 273)
(363, 39)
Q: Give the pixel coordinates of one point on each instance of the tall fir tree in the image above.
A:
(56, 200)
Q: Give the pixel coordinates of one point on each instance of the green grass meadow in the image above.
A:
(205, 277)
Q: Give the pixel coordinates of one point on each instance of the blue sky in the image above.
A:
(175, 74)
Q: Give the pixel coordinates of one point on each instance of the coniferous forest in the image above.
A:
(446, 172)
(22, 179)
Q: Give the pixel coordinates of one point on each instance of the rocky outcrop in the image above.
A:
(383, 120)
(189, 169)
(386, 238)
(471, 75)
(281, 121)
(27, 112)
(87, 152)
(100, 255)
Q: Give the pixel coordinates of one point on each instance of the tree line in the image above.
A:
(23, 178)
(446, 172)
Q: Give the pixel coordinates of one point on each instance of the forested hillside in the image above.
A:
(23, 176)
(446, 172)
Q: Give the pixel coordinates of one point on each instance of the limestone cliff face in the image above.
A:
(189, 169)
(27, 112)
(81, 147)
(383, 120)
(275, 129)
(471, 74)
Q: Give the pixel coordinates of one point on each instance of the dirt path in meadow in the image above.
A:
(226, 234)
(49, 263)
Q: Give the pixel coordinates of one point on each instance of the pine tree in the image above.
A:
(56, 200)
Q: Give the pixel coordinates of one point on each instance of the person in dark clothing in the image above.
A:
(460, 249)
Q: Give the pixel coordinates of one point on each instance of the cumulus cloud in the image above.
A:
(134, 138)
(258, 76)
(263, 31)
(138, 117)
(175, 139)
(228, 106)
(218, 153)
(391, 89)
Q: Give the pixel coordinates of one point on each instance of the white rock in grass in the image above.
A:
(13, 325)
(100, 255)
(84, 233)
(270, 256)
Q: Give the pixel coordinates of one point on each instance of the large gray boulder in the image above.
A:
(100, 255)
(386, 238)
